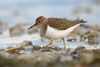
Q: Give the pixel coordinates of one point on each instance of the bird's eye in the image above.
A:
(39, 21)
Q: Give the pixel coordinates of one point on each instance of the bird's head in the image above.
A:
(38, 22)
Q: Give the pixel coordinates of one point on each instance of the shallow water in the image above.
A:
(6, 41)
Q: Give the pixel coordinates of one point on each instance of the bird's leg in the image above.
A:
(64, 43)
(50, 43)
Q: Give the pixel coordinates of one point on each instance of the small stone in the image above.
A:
(79, 49)
(91, 37)
(83, 55)
(35, 47)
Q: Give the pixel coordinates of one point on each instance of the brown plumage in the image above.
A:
(62, 24)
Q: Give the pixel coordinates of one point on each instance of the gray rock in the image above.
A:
(17, 30)
(27, 47)
(83, 55)
(79, 49)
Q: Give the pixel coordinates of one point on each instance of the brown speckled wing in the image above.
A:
(60, 24)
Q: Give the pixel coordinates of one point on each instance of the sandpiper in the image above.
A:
(55, 28)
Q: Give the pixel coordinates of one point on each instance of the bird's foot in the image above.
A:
(51, 44)
(65, 47)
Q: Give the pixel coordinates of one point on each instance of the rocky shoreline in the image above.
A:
(26, 54)
(36, 56)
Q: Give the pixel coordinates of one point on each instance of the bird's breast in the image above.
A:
(53, 33)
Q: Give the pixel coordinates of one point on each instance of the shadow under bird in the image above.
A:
(55, 28)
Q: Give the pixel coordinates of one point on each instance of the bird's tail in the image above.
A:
(82, 21)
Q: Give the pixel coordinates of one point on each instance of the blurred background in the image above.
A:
(21, 48)
(17, 15)
(25, 11)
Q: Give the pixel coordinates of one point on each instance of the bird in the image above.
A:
(55, 28)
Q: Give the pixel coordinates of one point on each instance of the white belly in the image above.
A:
(55, 34)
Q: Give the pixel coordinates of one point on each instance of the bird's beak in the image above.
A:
(30, 27)
(33, 26)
